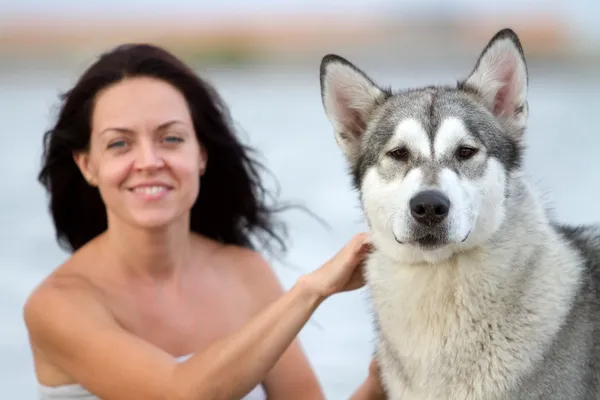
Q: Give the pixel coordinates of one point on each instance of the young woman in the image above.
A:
(164, 296)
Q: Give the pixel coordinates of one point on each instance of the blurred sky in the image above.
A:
(583, 16)
(109, 7)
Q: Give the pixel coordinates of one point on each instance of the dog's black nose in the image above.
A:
(429, 207)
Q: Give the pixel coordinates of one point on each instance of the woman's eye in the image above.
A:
(466, 152)
(173, 139)
(117, 144)
(400, 154)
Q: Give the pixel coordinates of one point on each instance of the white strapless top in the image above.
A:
(77, 392)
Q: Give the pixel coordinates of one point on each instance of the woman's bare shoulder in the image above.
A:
(69, 286)
(237, 259)
(252, 271)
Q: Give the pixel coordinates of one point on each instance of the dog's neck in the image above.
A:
(525, 218)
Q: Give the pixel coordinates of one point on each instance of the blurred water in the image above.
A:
(280, 112)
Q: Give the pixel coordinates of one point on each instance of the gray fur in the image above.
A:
(510, 311)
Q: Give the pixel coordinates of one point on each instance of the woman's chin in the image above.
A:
(156, 219)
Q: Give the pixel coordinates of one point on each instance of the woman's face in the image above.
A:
(144, 155)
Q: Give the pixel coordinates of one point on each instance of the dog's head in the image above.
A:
(432, 164)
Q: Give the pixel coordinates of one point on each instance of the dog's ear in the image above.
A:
(349, 98)
(500, 78)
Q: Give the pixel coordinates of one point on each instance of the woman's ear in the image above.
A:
(203, 159)
(82, 159)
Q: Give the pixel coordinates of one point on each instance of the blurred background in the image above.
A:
(263, 56)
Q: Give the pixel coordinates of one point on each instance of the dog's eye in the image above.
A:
(401, 153)
(466, 152)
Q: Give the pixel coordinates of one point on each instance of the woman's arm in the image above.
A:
(368, 390)
(79, 335)
(292, 377)
(247, 356)
(371, 388)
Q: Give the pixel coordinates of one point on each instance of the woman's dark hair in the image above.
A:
(232, 206)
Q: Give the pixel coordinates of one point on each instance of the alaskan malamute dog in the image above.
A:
(477, 294)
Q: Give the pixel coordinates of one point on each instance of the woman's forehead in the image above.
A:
(139, 100)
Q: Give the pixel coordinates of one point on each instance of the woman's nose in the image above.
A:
(148, 157)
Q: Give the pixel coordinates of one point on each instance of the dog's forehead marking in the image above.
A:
(450, 133)
(411, 133)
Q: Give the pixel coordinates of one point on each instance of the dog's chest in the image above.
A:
(438, 334)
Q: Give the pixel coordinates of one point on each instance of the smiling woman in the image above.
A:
(165, 295)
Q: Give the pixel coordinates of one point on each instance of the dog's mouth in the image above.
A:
(430, 241)
(427, 241)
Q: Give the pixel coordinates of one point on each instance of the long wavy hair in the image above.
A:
(233, 206)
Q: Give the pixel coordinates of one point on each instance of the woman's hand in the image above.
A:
(374, 378)
(343, 272)
(371, 388)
